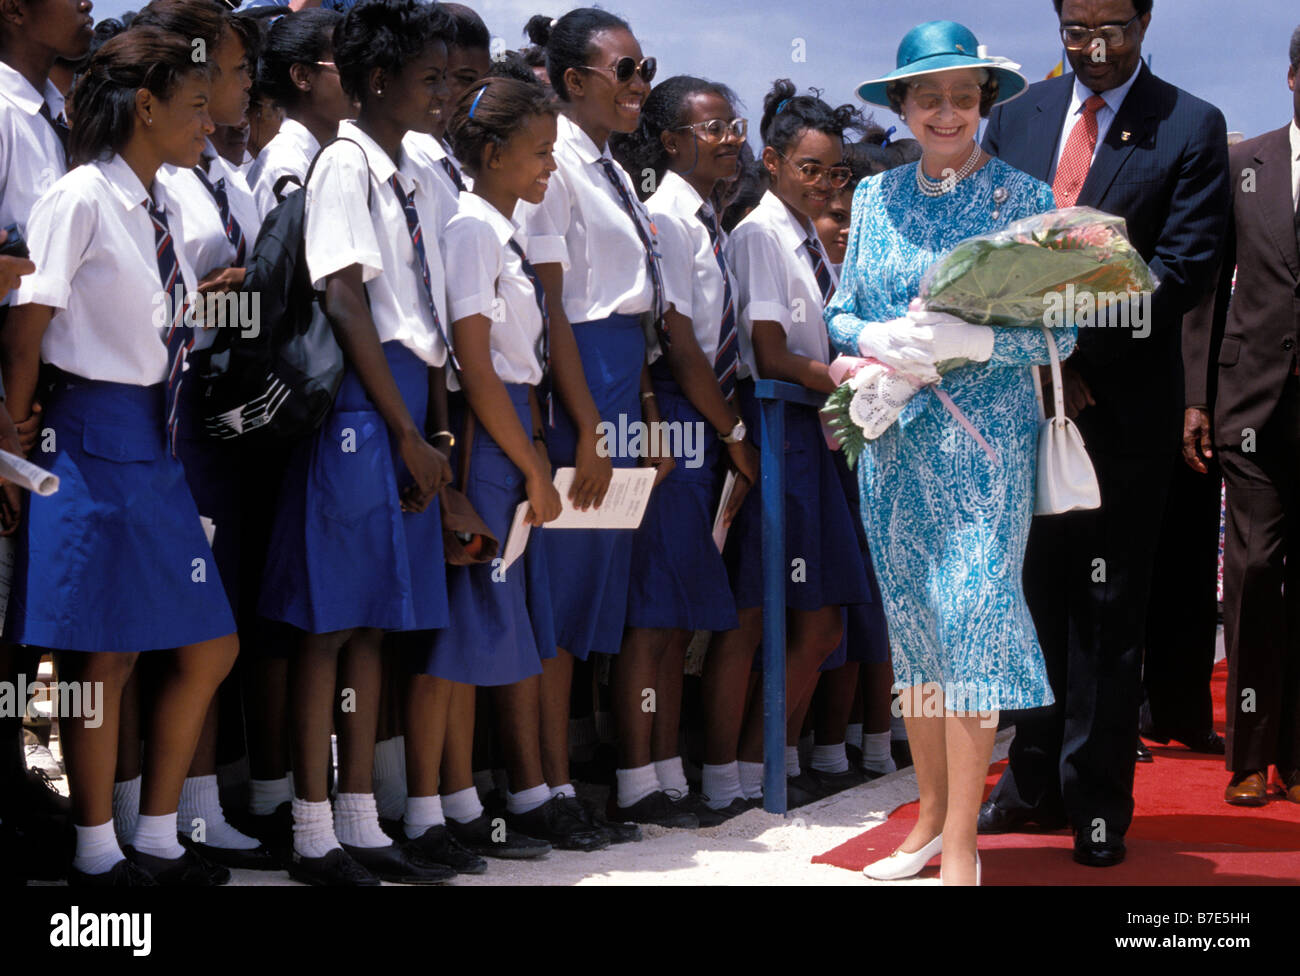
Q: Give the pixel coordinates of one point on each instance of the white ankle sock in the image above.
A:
(671, 776)
(356, 821)
(751, 779)
(157, 836)
(898, 728)
(792, 761)
(97, 848)
(875, 753)
(636, 784)
(564, 790)
(265, 795)
(389, 777)
(199, 801)
(464, 805)
(313, 828)
(126, 809)
(422, 812)
(830, 759)
(853, 734)
(721, 785)
(530, 799)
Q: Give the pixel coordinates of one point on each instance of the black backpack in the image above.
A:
(280, 384)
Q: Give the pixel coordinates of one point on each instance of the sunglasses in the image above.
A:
(811, 173)
(626, 67)
(715, 130)
(1077, 38)
(963, 99)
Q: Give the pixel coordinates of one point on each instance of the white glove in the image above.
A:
(920, 339)
(894, 344)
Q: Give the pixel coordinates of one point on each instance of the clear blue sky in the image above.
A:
(1232, 53)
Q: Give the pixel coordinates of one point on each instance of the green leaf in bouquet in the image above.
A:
(847, 434)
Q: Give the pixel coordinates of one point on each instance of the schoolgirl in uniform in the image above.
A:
(593, 246)
(501, 629)
(690, 140)
(785, 280)
(357, 544)
(107, 237)
(33, 34)
(297, 71)
(221, 225)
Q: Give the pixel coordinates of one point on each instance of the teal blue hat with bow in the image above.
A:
(943, 45)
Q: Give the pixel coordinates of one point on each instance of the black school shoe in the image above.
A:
(481, 834)
(333, 870)
(563, 822)
(828, 783)
(696, 803)
(393, 864)
(274, 829)
(257, 858)
(187, 871)
(437, 845)
(657, 809)
(123, 874)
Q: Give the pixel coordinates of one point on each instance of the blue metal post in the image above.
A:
(772, 473)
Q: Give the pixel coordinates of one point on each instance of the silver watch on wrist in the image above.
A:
(737, 434)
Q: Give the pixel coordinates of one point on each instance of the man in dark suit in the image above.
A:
(1247, 342)
(1113, 136)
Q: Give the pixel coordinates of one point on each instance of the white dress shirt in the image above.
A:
(1295, 165)
(689, 268)
(486, 277)
(205, 243)
(1105, 115)
(289, 153)
(777, 282)
(341, 232)
(31, 157)
(92, 241)
(427, 153)
(581, 225)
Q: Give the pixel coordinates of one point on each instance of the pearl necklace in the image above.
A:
(937, 188)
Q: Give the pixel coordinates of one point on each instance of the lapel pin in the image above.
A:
(1123, 136)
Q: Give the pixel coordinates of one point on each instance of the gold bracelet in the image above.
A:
(451, 438)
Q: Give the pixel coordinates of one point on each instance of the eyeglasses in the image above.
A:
(627, 66)
(1077, 37)
(811, 173)
(715, 130)
(963, 98)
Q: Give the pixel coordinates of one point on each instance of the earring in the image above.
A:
(379, 92)
(148, 121)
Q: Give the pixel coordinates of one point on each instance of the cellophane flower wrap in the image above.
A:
(1004, 279)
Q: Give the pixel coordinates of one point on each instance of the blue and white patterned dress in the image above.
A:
(948, 526)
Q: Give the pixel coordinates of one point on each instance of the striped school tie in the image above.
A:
(234, 233)
(822, 272)
(417, 239)
(544, 342)
(727, 359)
(652, 259)
(454, 173)
(59, 125)
(180, 335)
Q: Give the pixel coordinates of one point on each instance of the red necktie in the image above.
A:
(1072, 170)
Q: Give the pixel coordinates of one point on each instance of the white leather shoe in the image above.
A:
(901, 864)
(977, 871)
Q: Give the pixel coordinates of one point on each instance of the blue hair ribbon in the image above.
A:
(477, 97)
(889, 134)
(780, 106)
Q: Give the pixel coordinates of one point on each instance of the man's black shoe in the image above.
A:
(1143, 753)
(336, 869)
(1099, 855)
(994, 819)
(438, 845)
(493, 837)
(558, 822)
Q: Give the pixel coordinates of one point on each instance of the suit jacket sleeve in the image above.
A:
(1203, 330)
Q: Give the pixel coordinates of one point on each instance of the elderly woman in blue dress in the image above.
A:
(946, 515)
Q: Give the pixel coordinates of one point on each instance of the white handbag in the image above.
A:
(1066, 479)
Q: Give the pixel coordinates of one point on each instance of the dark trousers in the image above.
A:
(1261, 592)
(1087, 580)
(1182, 618)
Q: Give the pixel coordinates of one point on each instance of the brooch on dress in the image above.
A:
(999, 198)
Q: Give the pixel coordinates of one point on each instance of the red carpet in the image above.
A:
(1182, 833)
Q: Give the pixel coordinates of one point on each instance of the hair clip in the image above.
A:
(780, 106)
(889, 134)
(476, 100)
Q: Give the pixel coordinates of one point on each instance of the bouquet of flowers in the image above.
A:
(1016, 277)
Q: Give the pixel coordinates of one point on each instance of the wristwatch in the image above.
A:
(736, 436)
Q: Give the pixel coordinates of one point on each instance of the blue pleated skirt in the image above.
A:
(501, 623)
(678, 579)
(343, 554)
(866, 633)
(819, 527)
(116, 560)
(589, 568)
